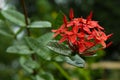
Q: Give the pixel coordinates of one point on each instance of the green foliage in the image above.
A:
(47, 76)
(40, 24)
(19, 49)
(40, 49)
(3, 27)
(4, 33)
(44, 39)
(75, 61)
(28, 64)
(37, 77)
(14, 16)
(62, 49)
(58, 21)
(86, 75)
(59, 48)
(44, 76)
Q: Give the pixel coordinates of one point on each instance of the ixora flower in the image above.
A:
(83, 36)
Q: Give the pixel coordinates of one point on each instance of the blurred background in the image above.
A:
(105, 66)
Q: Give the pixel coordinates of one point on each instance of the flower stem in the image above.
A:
(63, 72)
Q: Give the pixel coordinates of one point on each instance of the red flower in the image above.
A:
(82, 34)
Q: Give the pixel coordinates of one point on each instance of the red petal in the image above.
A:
(89, 17)
(70, 24)
(82, 48)
(108, 36)
(103, 36)
(89, 44)
(54, 30)
(100, 27)
(55, 34)
(81, 34)
(93, 24)
(62, 39)
(110, 43)
(68, 32)
(72, 38)
(71, 14)
(103, 44)
(87, 29)
(75, 29)
(65, 20)
(90, 37)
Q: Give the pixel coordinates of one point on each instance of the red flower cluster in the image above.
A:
(82, 34)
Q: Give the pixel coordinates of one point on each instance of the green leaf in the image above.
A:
(75, 61)
(47, 76)
(4, 33)
(44, 39)
(37, 77)
(14, 16)
(19, 49)
(59, 48)
(40, 49)
(59, 20)
(28, 64)
(58, 58)
(20, 30)
(40, 24)
(5, 30)
(44, 76)
(22, 63)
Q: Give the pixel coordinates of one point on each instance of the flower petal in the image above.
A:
(82, 48)
(65, 20)
(71, 14)
(72, 38)
(63, 39)
(87, 29)
(75, 29)
(108, 36)
(103, 44)
(89, 17)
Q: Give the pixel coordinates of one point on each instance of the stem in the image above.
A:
(26, 16)
(28, 31)
(63, 72)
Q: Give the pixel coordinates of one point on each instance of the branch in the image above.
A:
(28, 30)
(26, 16)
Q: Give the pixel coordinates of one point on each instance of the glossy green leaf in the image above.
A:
(44, 39)
(40, 49)
(40, 24)
(14, 16)
(19, 49)
(59, 48)
(75, 61)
